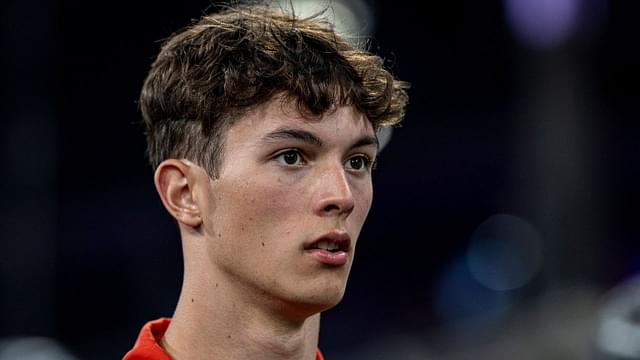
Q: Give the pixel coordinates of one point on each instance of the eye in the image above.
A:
(290, 157)
(359, 162)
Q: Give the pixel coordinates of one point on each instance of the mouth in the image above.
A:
(333, 241)
(331, 248)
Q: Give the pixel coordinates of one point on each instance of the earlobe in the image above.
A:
(175, 187)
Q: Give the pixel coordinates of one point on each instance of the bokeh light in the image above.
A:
(542, 23)
(618, 332)
(353, 19)
(33, 348)
(504, 253)
(463, 303)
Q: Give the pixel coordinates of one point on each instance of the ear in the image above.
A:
(174, 181)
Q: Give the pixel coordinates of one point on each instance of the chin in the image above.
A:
(324, 298)
(314, 300)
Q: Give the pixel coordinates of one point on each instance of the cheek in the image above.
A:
(261, 210)
(363, 196)
(363, 189)
(277, 198)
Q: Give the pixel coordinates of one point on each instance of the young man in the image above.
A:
(261, 128)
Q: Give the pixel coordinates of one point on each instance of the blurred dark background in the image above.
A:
(504, 220)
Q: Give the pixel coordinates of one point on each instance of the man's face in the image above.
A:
(283, 217)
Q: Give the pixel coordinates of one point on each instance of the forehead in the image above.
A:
(342, 124)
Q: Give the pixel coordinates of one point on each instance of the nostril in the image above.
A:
(331, 207)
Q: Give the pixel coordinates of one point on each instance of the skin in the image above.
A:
(251, 288)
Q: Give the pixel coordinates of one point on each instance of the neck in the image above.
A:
(209, 319)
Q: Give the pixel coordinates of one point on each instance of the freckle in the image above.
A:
(242, 228)
(191, 299)
(219, 234)
(228, 336)
(250, 218)
(216, 284)
(262, 244)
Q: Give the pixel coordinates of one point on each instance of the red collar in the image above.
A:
(147, 347)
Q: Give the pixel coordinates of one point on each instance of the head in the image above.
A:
(266, 124)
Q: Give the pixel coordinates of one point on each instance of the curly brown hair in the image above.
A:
(230, 62)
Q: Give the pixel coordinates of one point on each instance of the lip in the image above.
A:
(331, 258)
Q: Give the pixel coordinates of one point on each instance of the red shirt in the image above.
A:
(147, 347)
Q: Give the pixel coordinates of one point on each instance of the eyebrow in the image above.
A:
(288, 133)
(310, 138)
(365, 141)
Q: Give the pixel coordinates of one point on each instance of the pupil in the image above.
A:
(290, 158)
(356, 163)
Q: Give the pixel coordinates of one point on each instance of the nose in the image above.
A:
(333, 193)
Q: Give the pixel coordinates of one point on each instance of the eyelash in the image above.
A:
(367, 163)
(281, 154)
